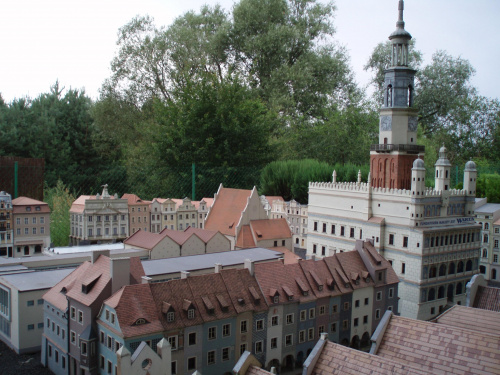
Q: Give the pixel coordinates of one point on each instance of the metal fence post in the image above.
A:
(15, 179)
(193, 183)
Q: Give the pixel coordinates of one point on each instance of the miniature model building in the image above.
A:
(428, 234)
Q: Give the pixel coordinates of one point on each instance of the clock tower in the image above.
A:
(391, 160)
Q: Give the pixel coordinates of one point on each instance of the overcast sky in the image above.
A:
(74, 40)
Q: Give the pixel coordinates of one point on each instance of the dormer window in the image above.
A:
(28, 209)
(276, 299)
(320, 288)
(170, 316)
(140, 322)
(191, 314)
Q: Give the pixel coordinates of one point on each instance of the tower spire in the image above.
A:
(401, 23)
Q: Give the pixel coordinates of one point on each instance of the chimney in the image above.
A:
(249, 265)
(323, 336)
(95, 254)
(184, 274)
(218, 267)
(119, 273)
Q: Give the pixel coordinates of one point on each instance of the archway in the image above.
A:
(288, 363)
(273, 363)
(365, 341)
(355, 342)
(432, 294)
(482, 269)
(460, 267)
(451, 268)
(432, 272)
(300, 358)
(450, 292)
(468, 266)
(494, 274)
(441, 292)
(38, 249)
(459, 289)
(442, 270)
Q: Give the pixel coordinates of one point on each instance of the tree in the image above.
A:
(59, 200)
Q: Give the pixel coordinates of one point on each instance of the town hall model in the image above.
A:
(428, 235)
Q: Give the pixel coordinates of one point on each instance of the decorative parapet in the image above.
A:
(453, 192)
(361, 187)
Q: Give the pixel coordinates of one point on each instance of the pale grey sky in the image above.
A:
(75, 40)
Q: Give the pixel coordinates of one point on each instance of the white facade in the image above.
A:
(296, 215)
(488, 217)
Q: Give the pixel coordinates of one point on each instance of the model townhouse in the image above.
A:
(274, 310)
(428, 234)
(6, 227)
(488, 217)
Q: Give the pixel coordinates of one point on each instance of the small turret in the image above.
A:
(443, 167)
(418, 179)
(470, 176)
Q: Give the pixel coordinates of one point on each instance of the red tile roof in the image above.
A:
(245, 238)
(133, 200)
(205, 235)
(338, 359)
(478, 320)
(270, 229)
(289, 256)
(19, 205)
(440, 348)
(145, 240)
(96, 276)
(226, 211)
(78, 206)
(487, 298)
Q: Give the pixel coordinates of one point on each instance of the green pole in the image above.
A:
(193, 183)
(456, 175)
(15, 179)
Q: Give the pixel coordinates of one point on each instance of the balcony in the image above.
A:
(410, 149)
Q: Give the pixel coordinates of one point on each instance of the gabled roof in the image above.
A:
(270, 229)
(226, 210)
(131, 303)
(245, 238)
(18, 205)
(353, 268)
(133, 199)
(145, 240)
(337, 359)
(78, 206)
(487, 298)
(440, 348)
(478, 320)
(205, 235)
(243, 290)
(87, 282)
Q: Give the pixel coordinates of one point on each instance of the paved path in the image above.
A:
(13, 364)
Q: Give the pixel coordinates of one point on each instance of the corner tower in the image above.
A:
(392, 159)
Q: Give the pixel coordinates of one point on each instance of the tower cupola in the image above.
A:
(443, 168)
(470, 176)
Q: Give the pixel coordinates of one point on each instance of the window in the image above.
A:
(258, 347)
(377, 314)
(173, 342)
(31, 327)
(30, 303)
(405, 241)
(333, 327)
(345, 324)
(73, 337)
(367, 301)
(274, 343)
(243, 348)
(110, 367)
(289, 319)
(324, 227)
(315, 226)
(101, 362)
(310, 334)
(211, 357)
(80, 317)
(289, 340)
(312, 313)
(191, 314)
(323, 250)
(322, 310)
(26, 221)
(243, 326)
(225, 354)
(191, 365)
(302, 336)
(226, 330)
(495, 258)
(356, 320)
(212, 333)
(351, 234)
(314, 249)
(356, 303)
(259, 325)
(274, 320)
(192, 338)
(346, 306)
(333, 229)
(365, 319)
(83, 348)
(342, 230)
(379, 296)
(391, 239)
(303, 315)
(403, 267)
(72, 313)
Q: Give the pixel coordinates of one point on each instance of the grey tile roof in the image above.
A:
(36, 280)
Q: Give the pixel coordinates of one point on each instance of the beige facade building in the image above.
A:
(138, 213)
(99, 219)
(31, 226)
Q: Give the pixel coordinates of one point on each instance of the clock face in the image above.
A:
(412, 124)
(385, 123)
